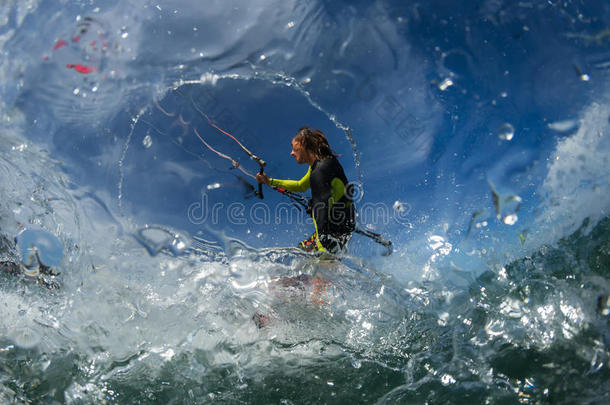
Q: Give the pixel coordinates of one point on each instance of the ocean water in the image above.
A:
(134, 252)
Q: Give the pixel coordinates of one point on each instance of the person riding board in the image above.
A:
(331, 205)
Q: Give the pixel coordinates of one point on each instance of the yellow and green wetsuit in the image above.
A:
(332, 208)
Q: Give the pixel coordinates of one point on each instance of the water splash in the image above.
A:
(287, 81)
(39, 247)
(157, 239)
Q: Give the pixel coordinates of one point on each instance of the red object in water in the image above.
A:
(59, 44)
(81, 68)
(75, 38)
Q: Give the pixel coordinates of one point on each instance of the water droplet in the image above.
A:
(399, 206)
(603, 304)
(213, 186)
(439, 244)
(445, 84)
(447, 379)
(401, 212)
(510, 219)
(563, 126)
(506, 132)
(436, 241)
(147, 141)
(443, 317)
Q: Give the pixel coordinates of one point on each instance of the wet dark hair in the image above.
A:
(315, 142)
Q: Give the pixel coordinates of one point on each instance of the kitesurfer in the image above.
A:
(331, 205)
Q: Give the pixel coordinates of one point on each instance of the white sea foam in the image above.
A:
(577, 184)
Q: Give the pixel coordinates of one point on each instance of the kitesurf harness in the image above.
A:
(302, 203)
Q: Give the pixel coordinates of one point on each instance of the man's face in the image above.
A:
(298, 152)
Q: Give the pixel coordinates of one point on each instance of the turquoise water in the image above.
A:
(133, 256)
